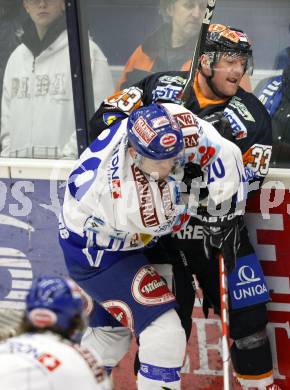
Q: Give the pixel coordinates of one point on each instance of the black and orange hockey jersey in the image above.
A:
(250, 122)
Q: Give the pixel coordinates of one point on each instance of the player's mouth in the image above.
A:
(233, 80)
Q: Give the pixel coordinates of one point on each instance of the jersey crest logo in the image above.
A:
(172, 80)
(109, 118)
(149, 289)
(241, 108)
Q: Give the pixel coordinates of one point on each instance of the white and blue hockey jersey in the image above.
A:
(110, 203)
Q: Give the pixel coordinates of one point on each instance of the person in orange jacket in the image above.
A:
(171, 46)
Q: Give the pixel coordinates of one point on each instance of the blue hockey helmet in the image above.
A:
(53, 302)
(154, 132)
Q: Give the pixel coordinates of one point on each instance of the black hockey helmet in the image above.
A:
(223, 39)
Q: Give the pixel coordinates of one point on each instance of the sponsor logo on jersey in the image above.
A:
(114, 174)
(159, 122)
(239, 131)
(168, 140)
(109, 118)
(146, 200)
(120, 311)
(143, 131)
(216, 219)
(186, 119)
(49, 361)
(116, 188)
(149, 289)
(190, 232)
(236, 103)
(190, 141)
(168, 92)
(172, 80)
(207, 154)
(166, 198)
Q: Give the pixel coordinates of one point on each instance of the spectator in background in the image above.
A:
(37, 103)
(275, 96)
(11, 17)
(283, 58)
(171, 46)
(45, 355)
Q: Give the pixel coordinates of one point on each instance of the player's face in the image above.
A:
(158, 169)
(44, 12)
(186, 17)
(228, 73)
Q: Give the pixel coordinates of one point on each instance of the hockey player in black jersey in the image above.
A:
(240, 117)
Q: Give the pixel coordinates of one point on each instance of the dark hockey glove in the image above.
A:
(191, 172)
(225, 238)
(221, 123)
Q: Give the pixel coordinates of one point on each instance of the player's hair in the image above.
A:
(76, 324)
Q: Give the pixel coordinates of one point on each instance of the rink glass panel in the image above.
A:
(119, 26)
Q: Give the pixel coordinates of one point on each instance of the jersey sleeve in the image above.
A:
(252, 132)
(114, 109)
(219, 159)
(161, 87)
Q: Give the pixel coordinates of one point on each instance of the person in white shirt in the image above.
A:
(37, 103)
(45, 356)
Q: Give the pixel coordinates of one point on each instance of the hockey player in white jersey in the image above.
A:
(44, 356)
(123, 193)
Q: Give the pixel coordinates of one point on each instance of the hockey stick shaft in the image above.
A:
(185, 264)
(198, 48)
(193, 279)
(225, 323)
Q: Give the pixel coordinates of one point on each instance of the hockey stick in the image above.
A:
(193, 280)
(225, 323)
(198, 48)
